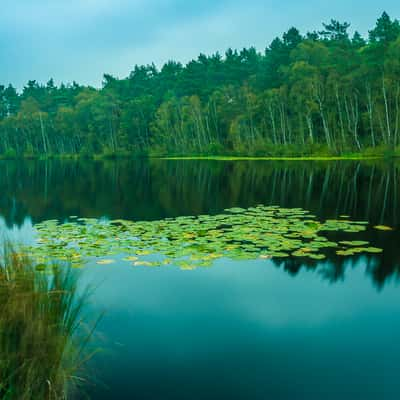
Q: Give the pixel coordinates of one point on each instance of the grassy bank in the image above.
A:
(311, 158)
(381, 152)
(42, 352)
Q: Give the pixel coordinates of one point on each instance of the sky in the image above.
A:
(81, 39)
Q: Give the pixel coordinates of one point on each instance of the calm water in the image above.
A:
(239, 330)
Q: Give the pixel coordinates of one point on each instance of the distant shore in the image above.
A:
(310, 158)
(367, 154)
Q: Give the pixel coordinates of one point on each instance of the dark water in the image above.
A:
(239, 330)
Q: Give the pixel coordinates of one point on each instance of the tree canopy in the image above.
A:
(324, 91)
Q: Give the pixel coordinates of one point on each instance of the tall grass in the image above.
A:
(42, 353)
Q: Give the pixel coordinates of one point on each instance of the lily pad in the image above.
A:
(262, 232)
(373, 250)
(356, 243)
(383, 228)
(105, 262)
(130, 259)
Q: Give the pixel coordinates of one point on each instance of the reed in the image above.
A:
(43, 349)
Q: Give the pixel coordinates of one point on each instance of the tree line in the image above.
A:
(325, 92)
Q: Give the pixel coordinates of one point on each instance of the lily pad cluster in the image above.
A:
(196, 241)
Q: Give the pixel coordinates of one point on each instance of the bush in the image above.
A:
(9, 154)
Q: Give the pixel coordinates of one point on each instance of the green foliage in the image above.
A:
(385, 30)
(42, 351)
(190, 242)
(323, 93)
(9, 154)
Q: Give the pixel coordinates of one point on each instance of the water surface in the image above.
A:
(239, 330)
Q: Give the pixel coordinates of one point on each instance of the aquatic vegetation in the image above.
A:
(42, 350)
(263, 232)
(105, 262)
(383, 228)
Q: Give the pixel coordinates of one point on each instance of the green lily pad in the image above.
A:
(383, 228)
(356, 243)
(105, 262)
(130, 259)
(240, 234)
(373, 250)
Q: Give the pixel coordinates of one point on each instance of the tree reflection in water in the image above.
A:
(154, 189)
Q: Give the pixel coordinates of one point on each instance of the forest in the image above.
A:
(328, 92)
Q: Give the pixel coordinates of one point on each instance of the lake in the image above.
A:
(239, 329)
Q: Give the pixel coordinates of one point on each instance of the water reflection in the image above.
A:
(246, 331)
(154, 189)
(237, 330)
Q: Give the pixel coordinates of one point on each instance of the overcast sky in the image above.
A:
(81, 39)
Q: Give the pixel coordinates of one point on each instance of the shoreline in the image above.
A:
(206, 158)
(308, 158)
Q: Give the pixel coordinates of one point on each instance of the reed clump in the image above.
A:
(42, 348)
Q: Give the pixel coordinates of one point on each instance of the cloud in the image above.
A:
(81, 39)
